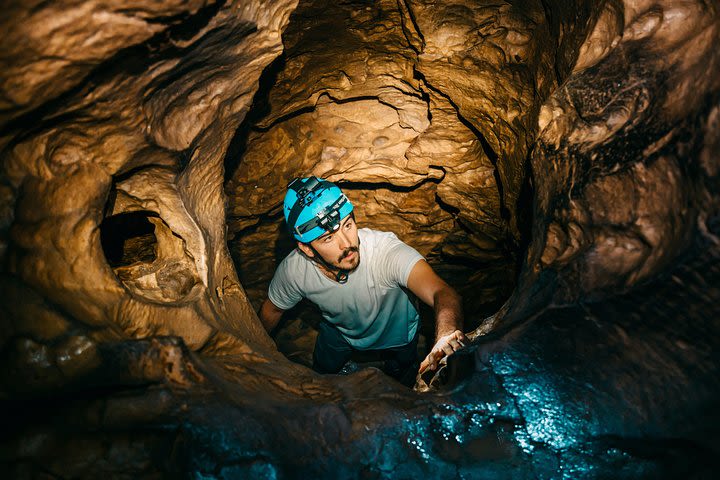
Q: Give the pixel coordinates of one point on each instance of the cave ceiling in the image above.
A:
(555, 161)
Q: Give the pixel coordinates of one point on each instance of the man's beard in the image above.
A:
(338, 264)
(347, 252)
(335, 263)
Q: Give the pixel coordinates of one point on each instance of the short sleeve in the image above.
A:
(283, 291)
(397, 259)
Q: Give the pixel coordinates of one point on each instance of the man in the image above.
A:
(359, 278)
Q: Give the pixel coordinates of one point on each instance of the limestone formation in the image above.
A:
(556, 161)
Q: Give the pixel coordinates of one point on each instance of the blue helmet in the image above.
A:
(314, 206)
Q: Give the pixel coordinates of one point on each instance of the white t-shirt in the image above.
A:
(370, 310)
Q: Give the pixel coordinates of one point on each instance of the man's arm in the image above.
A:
(446, 302)
(270, 315)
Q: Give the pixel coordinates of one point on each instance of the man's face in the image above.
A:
(341, 248)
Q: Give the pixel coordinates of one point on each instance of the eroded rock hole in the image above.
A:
(128, 238)
(149, 259)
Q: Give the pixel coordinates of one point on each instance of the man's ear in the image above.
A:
(305, 248)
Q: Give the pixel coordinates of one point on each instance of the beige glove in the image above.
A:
(445, 346)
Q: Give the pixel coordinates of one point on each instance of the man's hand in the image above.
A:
(433, 291)
(445, 346)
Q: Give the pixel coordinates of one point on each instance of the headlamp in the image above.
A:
(328, 219)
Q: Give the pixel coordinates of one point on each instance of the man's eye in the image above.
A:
(327, 239)
(348, 225)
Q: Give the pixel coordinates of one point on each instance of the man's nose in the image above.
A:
(343, 240)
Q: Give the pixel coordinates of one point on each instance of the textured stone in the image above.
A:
(61, 177)
(49, 48)
(627, 179)
(492, 63)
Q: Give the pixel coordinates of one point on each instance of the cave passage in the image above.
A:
(347, 103)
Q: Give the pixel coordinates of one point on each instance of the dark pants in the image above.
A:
(332, 351)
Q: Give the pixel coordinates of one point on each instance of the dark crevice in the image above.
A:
(127, 238)
(505, 213)
(260, 127)
(412, 18)
(524, 213)
(259, 109)
(451, 209)
(212, 40)
(352, 185)
(554, 33)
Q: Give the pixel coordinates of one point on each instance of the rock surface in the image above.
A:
(567, 149)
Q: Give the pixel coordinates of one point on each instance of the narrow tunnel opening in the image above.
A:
(148, 257)
(129, 238)
(318, 112)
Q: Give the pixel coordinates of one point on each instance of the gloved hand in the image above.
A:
(445, 346)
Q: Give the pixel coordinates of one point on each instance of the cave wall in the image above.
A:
(145, 129)
(622, 167)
